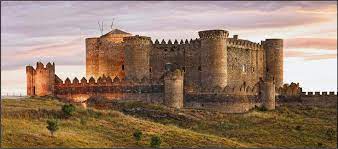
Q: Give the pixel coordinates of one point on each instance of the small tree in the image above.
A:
(155, 141)
(68, 110)
(137, 136)
(52, 126)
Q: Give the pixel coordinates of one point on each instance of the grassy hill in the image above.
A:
(24, 125)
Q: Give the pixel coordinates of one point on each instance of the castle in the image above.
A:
(214, 71)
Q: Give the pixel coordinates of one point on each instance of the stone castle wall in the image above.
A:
(213, 58)
(214, 66)
(112, 89)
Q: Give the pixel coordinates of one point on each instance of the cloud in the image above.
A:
(311, 43)
(308, 56)
(320, 57)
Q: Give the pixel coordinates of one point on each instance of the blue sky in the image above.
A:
(56, 31)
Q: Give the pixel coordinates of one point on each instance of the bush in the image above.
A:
(155, 141)
(262, 108)
(68, 110)
(53, 126)
(137, 135)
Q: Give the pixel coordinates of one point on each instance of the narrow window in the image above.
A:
(199, 68)
(243, 68)
(122, 67)
(183, 68)
(150, 69)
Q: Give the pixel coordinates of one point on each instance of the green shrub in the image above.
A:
(68, 110)
(137, 135)
(262, 108)
(155, 141)
(52, 126)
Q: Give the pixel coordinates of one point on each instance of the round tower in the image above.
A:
(268, 95)
(213, 58)
(173, 89)
(274, 61)
(137, 57)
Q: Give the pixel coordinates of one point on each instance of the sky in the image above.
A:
(56, 31)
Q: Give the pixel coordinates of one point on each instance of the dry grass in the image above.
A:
(24, 125)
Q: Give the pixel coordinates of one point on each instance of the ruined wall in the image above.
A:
(137, 57)
(274, 61)
(173, 89)
(213, 58)
(290, 90)
(41, 81)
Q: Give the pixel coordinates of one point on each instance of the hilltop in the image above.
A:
(112, 125)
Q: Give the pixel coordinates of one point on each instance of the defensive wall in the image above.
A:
(202, 59)
(112, 89)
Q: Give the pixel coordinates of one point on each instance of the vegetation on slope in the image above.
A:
(24, 125)
(309, 124)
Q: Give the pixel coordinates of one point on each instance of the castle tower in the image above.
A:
(274, 61)
(105, 55)
(213, 58)
(92, 57)
(137, 57)
(44, 79)
(173, 89)
(268, 94)
(30, 73)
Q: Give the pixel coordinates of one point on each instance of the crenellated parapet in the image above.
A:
(319, 94)
(243, 44)
(104, 81)
(40, 81)
(213, 34)
(105, 85)
(139, 40)
(177, 46)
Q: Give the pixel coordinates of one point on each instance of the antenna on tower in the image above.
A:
(100, 27)
(112, 24)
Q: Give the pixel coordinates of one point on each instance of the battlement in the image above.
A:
(40, 81)
(40, 66)
(243, 44)
(105, 81)
(177, 46)
(212, 34)
(317, 93)
(137, 39)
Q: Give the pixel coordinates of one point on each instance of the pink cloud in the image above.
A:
(313, 43)
(308, 56)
